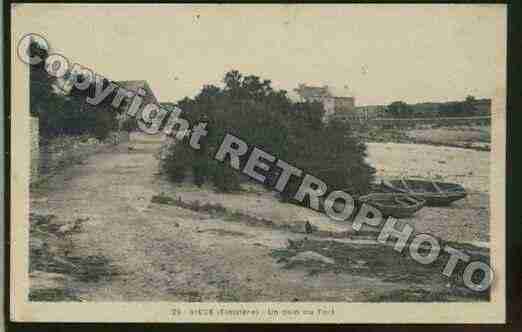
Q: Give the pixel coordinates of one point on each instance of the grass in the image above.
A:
(214, 209)
(52, 295)
(224, 232)
(228, 293)
(190, 296)
(194, 206)
(408, 295)
(50, 252)
(384, 263)
(374, 134)
(220, 211)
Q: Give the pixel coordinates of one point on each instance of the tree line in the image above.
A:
(465, 108)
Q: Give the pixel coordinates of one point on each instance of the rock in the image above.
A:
(73, 226)
(293, 244)
(361, 264)
(80, 220)
(311, 256)
(67, 228)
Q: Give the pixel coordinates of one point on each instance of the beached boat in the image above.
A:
(434, 193)
(393, 204)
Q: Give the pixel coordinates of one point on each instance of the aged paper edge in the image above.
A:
(22, 310)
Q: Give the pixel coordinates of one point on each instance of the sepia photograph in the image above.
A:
(258, 163)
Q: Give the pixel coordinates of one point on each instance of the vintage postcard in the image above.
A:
(258, 163)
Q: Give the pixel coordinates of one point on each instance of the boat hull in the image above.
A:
(389, 204)
(442, 198)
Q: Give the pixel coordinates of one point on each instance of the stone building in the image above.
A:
(332, 104)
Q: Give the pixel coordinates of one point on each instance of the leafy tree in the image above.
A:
(470, 99)
(248, 107)
(469, 108)
(66, 113)
(40, 83)
(399, 109)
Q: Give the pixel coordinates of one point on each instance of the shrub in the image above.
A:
(250, 109)
(64, 113)
(103, 125)
(177, 162)
(200, 172)
(129, 125)
(226, 179)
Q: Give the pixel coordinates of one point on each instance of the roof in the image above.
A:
(305, 91)
(134, 86)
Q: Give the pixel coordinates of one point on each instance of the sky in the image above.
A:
(376, 53)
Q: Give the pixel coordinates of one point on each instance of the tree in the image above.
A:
(399, 109)
(470, 99)
(66, 113)
(469, 108)
(40, 83)
(248, 107)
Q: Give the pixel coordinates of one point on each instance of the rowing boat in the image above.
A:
(434, 193)
(393, 204)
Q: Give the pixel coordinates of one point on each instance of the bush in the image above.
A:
(104, 124)
(250, 109)
(181, 160)
(177, 162)
(66, 113)
(226, 179)
(129, 125)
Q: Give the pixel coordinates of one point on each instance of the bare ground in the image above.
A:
(143, 251)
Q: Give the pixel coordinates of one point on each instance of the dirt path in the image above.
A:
(165, 253)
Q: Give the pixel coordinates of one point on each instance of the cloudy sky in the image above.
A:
(378, 54)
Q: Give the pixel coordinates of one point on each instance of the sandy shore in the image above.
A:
(470, 168)
(128, 248)
(464, 221)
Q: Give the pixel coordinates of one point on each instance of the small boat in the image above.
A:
(434, 193)
(393, 204)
